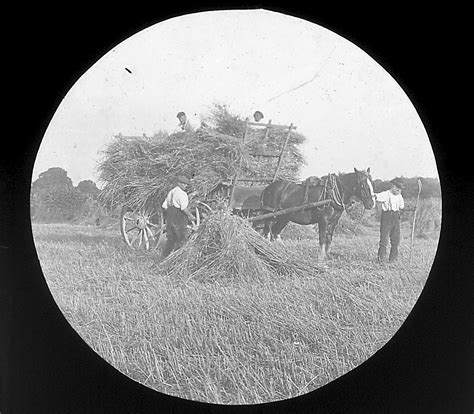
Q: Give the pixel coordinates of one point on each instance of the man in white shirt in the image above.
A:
(184, 125)
(392, 202)
(176, 214)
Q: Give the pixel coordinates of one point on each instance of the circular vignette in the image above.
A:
(239, 341)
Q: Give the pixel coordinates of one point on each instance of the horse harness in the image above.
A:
(330, 191)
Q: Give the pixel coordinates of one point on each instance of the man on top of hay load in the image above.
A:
(177, 214)
(257, 116)
(392, 202)
(184, 125)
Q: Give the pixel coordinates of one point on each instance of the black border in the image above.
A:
(46, 367)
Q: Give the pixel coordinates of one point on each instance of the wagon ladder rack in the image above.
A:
(269, 126)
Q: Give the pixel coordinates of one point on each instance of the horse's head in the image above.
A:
(363, 188)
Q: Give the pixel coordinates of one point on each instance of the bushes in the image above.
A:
(428, 217)
(55, 199)
(57, 205)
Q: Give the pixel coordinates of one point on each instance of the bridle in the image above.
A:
(360, 188)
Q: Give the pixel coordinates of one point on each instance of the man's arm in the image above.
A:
(188, 213)
(381, 197)
(183, 202)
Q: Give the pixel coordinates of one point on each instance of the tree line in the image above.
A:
(54, 198)
(430, 187)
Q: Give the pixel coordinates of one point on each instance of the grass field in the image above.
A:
(234, 341)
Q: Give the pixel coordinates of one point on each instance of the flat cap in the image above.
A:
(183, 179)
(398, 182)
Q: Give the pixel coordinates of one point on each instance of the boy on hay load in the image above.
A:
(392, 203)
(176, 214)
(257, 116)
(183, 125)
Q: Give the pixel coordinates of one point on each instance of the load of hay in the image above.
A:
(139, 171)
(226, 247)
(223, 121)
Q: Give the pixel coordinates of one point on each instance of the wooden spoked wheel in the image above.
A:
(197, 223)
(203, 210)
(141, 229)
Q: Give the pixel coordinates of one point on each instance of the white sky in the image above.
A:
(354, 113)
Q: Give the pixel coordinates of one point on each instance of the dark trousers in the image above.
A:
(389, 230)
(176, 229)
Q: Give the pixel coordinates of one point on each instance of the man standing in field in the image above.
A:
(177, 214)
(392, 202)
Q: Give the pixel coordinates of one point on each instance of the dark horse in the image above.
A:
(341, 189)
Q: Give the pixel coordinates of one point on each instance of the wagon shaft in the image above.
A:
(288, 211)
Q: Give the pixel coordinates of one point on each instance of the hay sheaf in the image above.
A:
(226, 246)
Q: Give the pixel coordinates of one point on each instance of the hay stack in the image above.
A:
(227, 247)
(231, 124)
(141, 170)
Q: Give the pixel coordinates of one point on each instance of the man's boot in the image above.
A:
(381, 254)
(393, 254)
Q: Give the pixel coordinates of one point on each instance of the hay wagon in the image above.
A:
(142, 229)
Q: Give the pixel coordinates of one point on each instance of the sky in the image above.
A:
(351, 110)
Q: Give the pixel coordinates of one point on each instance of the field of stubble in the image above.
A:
(232, 342)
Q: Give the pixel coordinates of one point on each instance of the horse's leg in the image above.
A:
(322, 226)
(329, 233)
(277, 228)
(268, 229)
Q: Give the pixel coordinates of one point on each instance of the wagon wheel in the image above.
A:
(197, 223)
(204, 209)
(200, 213)
(141, 229)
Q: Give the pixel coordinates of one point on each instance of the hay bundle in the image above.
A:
(141, 170)
(226, 246)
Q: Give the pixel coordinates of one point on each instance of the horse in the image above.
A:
(341, 190)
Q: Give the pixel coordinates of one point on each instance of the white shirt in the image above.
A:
(390, 201)
(177, 198)
(187, 127)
